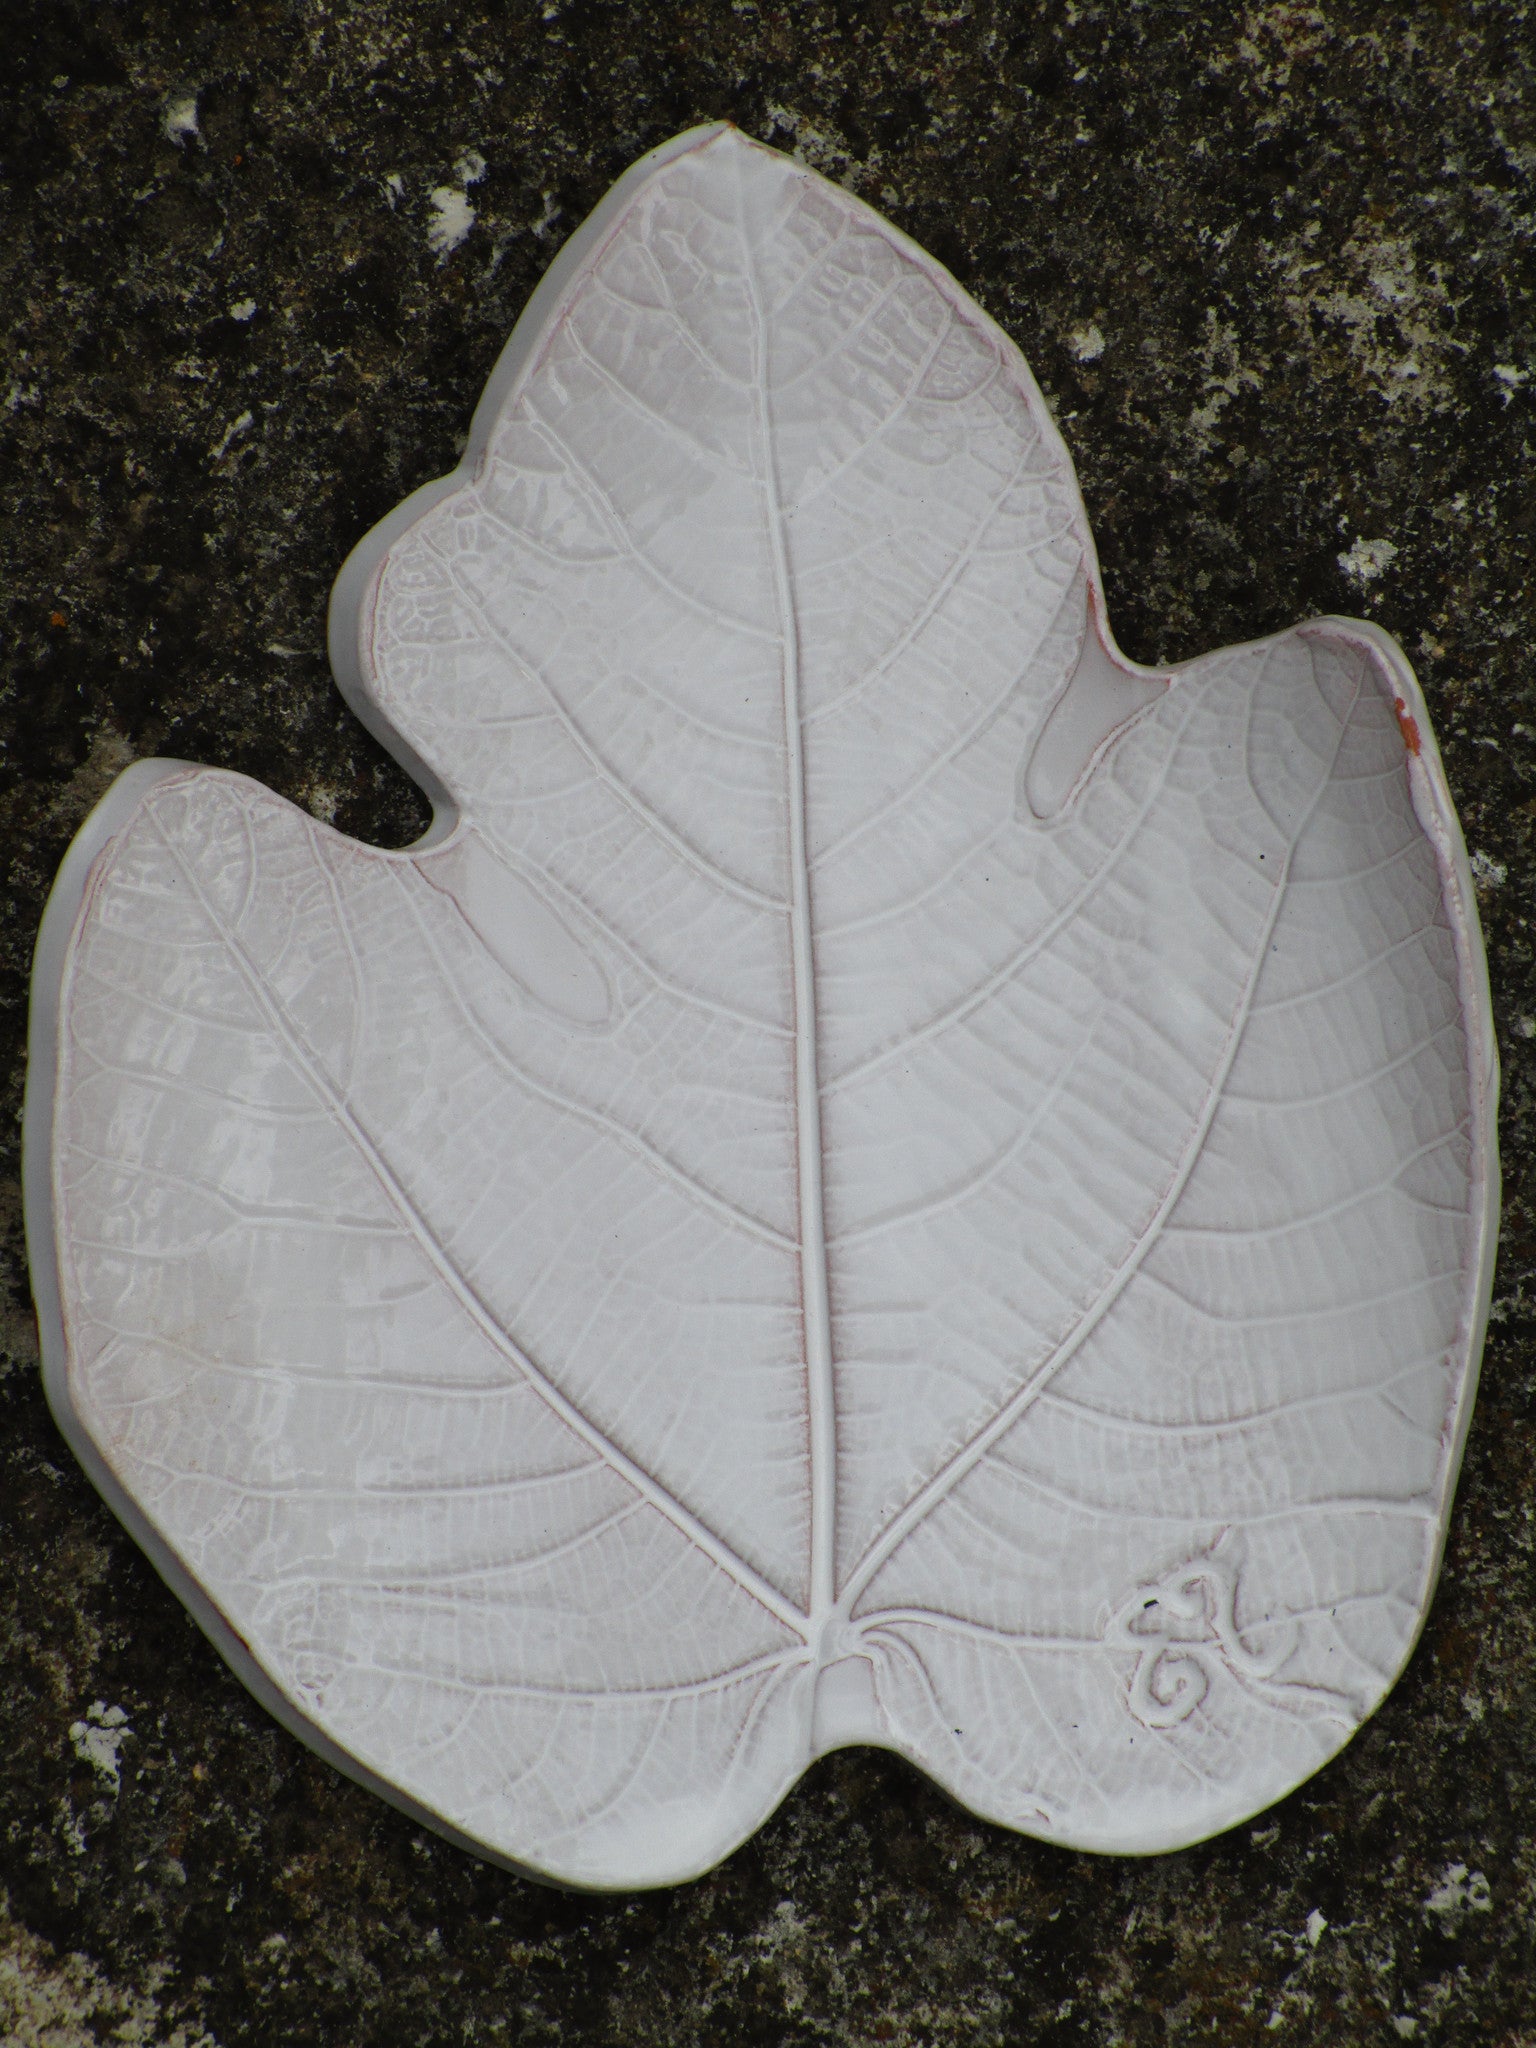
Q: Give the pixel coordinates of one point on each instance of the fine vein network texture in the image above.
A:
(770, 1232)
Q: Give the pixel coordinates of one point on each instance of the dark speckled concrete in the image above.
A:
(1274, 265)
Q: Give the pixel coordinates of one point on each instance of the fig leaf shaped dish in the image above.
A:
(882, 1174)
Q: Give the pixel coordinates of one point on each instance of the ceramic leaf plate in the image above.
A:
(881, 1175)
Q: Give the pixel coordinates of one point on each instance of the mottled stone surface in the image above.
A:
(1274, 266)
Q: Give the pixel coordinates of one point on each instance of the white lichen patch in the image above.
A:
(452, 215)
(1086, 343)
(1487, 872)
(243, 310)
(98, 1741)
(552, 211)
(1276, 39)
(53, 2000)
(241, 424)
(179, 123)
(110, 754)
(1366, 560)
(1396, 320)
(1458, 1893)
(321, 801)
(824, 149)
(451, 220)
(1223, 374)
(786, 1946)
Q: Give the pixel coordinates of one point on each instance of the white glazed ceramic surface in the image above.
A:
(882, 1175)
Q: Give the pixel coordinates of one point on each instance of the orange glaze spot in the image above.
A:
(1409, 725)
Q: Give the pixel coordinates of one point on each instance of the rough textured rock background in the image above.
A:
(1274, 265)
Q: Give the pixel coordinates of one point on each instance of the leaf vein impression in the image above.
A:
(815, 1300)
(1034, 945)
(538, 877)
(666, 1168)
(950, 1474)
(478, 1310)
(610, 516)
(988, 714)
(685, 850)
(518, 1688)
(627, 395)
